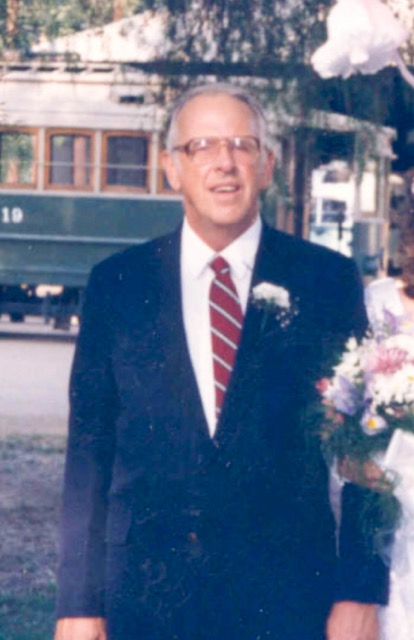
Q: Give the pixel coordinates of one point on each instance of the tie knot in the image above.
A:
(220, 265)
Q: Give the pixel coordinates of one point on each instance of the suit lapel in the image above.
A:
(179, 373)
(240, 408)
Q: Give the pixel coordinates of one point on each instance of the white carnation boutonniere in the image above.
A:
(275, 301)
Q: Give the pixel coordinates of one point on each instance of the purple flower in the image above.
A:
(345, 396)
(391, 322)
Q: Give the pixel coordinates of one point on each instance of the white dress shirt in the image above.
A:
(196, 278)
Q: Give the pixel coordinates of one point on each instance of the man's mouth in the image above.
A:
(225, 188)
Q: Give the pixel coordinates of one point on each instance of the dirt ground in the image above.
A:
(34, 378)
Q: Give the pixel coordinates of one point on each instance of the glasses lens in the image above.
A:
(204, 150)
(245, 147)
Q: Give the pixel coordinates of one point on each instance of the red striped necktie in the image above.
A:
(226, 319)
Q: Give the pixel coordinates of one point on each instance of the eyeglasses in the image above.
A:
(245, 149)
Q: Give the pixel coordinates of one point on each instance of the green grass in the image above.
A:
(27, 616)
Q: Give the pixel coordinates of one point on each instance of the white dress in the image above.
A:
(396, 619)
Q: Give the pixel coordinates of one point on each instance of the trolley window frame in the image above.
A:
(60, 186)
(34, 132)
(120, 188)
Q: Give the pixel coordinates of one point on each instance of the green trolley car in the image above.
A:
(80, 179)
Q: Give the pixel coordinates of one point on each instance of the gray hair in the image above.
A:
(217, 88)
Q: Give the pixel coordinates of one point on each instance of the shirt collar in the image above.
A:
(196, 255)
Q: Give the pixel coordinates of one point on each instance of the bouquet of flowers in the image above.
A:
(367, 413)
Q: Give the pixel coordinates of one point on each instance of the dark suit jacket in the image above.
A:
(235, 533)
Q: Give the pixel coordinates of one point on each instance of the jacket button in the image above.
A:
(193, 537)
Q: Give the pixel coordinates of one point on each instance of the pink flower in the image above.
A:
(322, 385)
(386, 361)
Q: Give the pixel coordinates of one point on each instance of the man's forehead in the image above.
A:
(208, 99)
(218, 106)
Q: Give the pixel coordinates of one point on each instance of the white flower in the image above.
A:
(373, 423)
(352, 344)
(363, 35)
(396, 388)
(350, 365)
(269, 293)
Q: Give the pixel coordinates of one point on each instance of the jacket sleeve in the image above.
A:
(93, 412)
(362, 574)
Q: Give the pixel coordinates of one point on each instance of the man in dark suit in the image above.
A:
(195, 502)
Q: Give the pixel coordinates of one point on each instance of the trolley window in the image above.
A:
(17, 158)
(126, 162)
(69, 160)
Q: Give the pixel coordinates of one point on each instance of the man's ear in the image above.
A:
(171, 170)
(268, 167)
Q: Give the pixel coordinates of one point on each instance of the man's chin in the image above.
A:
(223, 232)
(233, 218)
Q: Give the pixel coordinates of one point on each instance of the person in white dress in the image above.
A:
(397, 619)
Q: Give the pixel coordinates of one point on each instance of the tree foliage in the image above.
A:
(221, 30)
(23, 22)
(235, 30)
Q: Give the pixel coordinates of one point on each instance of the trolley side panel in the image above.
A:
(57, 239)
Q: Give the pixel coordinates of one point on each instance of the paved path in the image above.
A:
(34, 376)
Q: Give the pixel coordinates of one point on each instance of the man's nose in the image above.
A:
(225, 155)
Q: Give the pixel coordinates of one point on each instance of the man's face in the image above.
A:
(221, 197)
